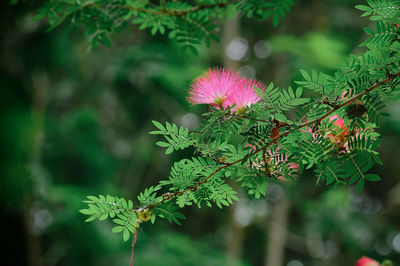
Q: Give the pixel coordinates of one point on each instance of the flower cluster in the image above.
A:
(339, 132)
(221, 88)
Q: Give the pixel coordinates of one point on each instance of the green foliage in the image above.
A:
(331, 171)
(148, 196)
(383, 10)
(313, 150)
(280, 100)
(265, 9)
(290, 100)
(188, 23)
(255, 185)
(375, 109)
(177, 138)
(186, 172)
(383, 37)
(320, 83)
(256, 135)
(221, 193)
(118, 209)
(168, 212)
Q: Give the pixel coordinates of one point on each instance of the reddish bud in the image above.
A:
(365, 261)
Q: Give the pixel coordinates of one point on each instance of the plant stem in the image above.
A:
(133, 246)
(164, 11)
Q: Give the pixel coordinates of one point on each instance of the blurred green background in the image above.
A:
(76, 123)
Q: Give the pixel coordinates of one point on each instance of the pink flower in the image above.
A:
(214, 87)
(345, 95)
(244, 95)
(338, 129)
(365, 261)
(339, 132)
(338, 122)
(222, 88)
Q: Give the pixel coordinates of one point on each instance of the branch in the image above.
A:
(168, 196)
(217, 160)
(265, 162)
(351, 100)
(133, 246)
(252, 118)
(164, 11)
(197, 8)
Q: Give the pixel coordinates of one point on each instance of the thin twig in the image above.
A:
(217, 160)
(351, 100)
(133, 245)
(265, 162)
(164, 11)
(201, 7)
(252, 118)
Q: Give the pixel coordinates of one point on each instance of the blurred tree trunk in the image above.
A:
(235, 239)
(231, 30)
(39, 101)
(277, 229)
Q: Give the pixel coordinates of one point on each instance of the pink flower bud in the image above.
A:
(365, 261)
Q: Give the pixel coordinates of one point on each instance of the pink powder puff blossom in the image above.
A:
(244, 95)
(222, 88)
(214, 87)
(338, 122)
(339, 131)
(365, 261)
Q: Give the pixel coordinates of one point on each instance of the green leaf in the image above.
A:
(117, 229)
(162, 144)
(119, 221)
(360, 185)
(369, 31)
(363, 8)
(176, 138)
(87, 211)
(158, 125)
(275, 19)
(125, 235)
(372, 177)
(169, 150)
